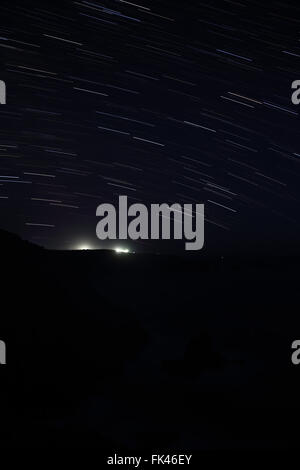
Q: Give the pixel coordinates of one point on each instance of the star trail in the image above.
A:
(163, 101)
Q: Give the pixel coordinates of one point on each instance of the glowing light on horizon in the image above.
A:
(121, 250)
(84, 247)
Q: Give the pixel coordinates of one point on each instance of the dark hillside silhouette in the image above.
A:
(101, 349)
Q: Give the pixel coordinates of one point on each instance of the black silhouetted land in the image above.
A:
(140, 352)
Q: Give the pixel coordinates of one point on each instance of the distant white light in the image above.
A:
(121, 250)
(84, 247)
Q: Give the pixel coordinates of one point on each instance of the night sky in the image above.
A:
(162, 101)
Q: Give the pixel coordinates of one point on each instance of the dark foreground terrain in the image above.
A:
(142, 352)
